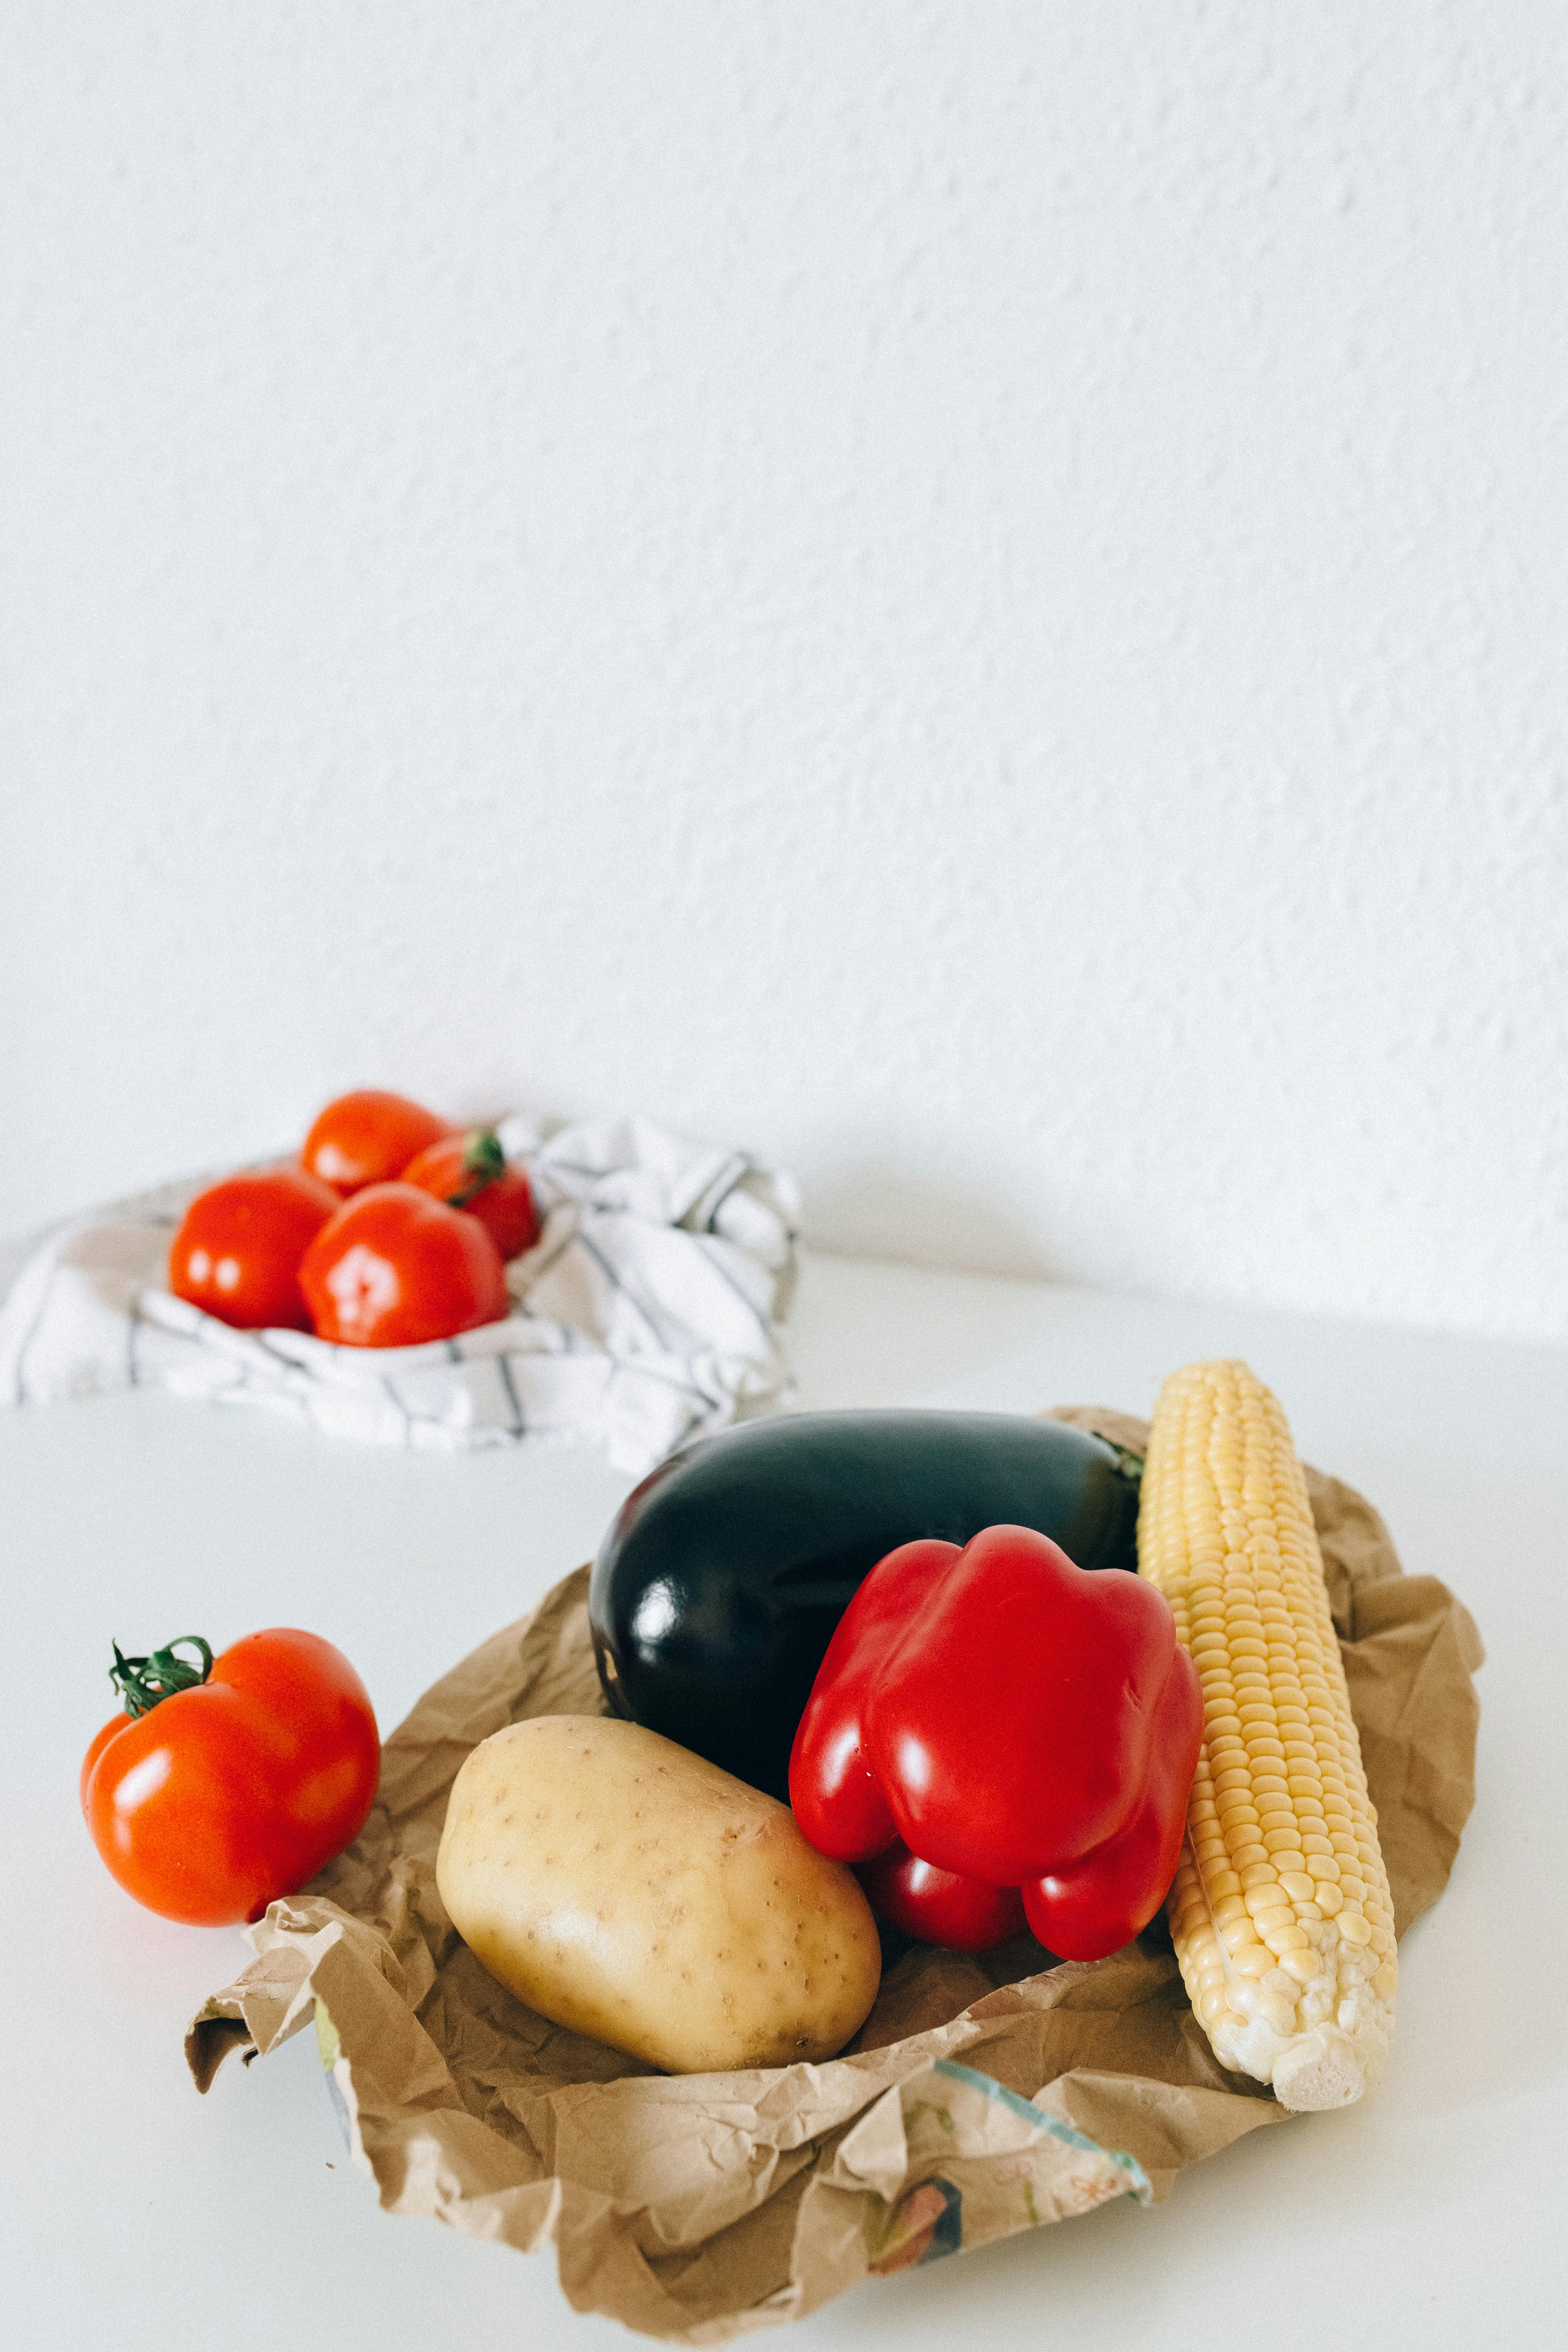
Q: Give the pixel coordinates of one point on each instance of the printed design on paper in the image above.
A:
(925, 2224)
(1108, 2172)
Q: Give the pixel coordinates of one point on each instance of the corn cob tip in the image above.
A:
(1323, 2068)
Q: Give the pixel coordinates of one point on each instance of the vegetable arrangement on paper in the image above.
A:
(995, 1733)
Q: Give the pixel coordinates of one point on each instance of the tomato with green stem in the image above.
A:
(228, 1782)
(471, 1171)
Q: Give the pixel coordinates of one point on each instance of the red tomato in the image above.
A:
(226, 1795)
(469, 1171)
(941, 1907)
(368, 1138)
(237, 1253)
(394, 1268)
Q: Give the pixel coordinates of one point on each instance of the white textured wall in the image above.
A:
(973, 594)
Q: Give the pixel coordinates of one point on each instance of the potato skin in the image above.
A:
(628, 1889)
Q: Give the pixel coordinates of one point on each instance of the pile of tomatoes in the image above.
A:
(393, 1228)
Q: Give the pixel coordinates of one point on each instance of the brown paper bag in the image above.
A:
(981, 2097)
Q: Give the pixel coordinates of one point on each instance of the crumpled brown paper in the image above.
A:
(981, 2097)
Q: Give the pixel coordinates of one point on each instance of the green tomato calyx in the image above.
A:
(483, 1161)
(144, 1683)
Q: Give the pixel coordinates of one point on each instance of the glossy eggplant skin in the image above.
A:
(717, 1590)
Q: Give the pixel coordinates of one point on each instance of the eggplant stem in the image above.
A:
(1127, 1461)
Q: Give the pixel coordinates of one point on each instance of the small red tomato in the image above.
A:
(216, 1793)
(237, 1253)
(368, 1138)
(469, 1171)
(940, 1906)
(395, 1267)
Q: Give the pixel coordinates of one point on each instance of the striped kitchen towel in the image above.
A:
(646, 1313)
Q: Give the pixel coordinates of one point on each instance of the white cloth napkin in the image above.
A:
(646, 1313)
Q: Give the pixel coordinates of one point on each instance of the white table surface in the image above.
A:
(135, 2213)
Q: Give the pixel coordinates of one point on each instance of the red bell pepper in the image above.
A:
(994, 1719)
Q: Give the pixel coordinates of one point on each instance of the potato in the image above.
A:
(624, 1887)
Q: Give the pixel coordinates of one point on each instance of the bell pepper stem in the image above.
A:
(142, 1683)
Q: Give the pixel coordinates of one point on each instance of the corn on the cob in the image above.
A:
(1281, 1908)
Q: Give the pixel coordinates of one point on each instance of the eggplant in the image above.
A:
(717, 1590)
